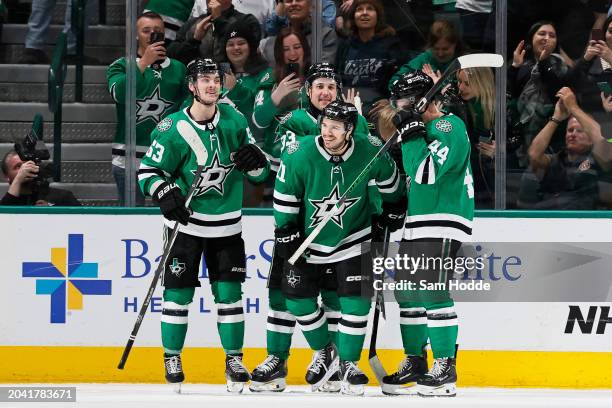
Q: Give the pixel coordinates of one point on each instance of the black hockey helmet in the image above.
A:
(412, 86)
(201, 66)
(341, 111)
(322, 70)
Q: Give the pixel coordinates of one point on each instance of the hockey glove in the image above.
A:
(395, 151)
(249, 157)
(392, 216)
(287, 241)
(171, 203)
(410, 125)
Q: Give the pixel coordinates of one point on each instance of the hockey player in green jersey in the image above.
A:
(323, 87)
(212, 225)
(436, 158)
(313, 174)
(160, 90)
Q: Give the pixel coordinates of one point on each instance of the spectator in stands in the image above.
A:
(537, 72)
(26, 189)
(38, 25)
(3, 13)
(477, 89)
(278, 18)
(160, 89)
(475, 18)
(248, 69)
(443, 46)
(261, 9)
(298, 14)
(174, 12)
(367, 59)
(567, 179)
(203, 36)
(594, 69)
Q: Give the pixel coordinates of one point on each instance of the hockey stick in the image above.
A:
(466, 61)
(193, 140)
(375, 364)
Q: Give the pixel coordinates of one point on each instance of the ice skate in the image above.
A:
(403, 382)
(352, 378)
(323, 365)
(333, 384)
(174, 371)
(440, 381)
(236, 373)
(269, 376)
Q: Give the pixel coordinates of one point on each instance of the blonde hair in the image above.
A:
(482, 83)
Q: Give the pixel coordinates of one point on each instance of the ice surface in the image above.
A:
(215, 396)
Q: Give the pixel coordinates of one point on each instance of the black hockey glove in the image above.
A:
(287, 241)
(395, 151)
(171, 203)
(249, 157)
(392, 216)
(410, 125)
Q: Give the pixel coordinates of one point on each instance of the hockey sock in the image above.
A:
(230, 315)
(413, 326)
(352, 327)
(311, 319)
(280, 325)
(174, 317)
(442, 328)
(331, 305)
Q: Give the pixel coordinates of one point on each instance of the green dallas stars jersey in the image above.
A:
(217, 203)
(174, 12)
(441, 191)
(158, 93)
(243, 93)
(266, 115)
(309, 181)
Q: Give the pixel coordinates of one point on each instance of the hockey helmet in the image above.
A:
(201, 66)
(410, 88)
(341, 111)
(322, 70)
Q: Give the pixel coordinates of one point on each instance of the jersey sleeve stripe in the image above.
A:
(287, 198)
(154, 186)
(285, 209)
(426, 173)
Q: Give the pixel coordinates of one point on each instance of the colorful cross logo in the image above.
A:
(66, 278)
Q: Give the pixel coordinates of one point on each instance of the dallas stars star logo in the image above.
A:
(152, 107)
(213, 176)
(177, 268)
(293, 280)
(326, 204)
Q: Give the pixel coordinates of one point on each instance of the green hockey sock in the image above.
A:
(175, 310)
(311, 319)
(352, 327)
(442, 328)
(280, 325)
(413, 326)
(331, 305)
(230, 315)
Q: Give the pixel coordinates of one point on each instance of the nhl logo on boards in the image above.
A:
(374, 140)
(444, 126)
(293, 280)
(164, 125)
(177, 268)
(293, 147)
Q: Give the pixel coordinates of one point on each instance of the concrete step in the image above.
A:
(87, 172)
(71, 112)
(94, 36)
(115, 12)
(11, 53)
(71, 132)
(37, 92)
(19, 73)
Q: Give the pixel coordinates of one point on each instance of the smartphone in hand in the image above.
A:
(156, 37)
(597, 34)
(293, 67)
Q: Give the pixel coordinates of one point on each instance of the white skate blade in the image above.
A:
(352, 389)
(277, 385)
(234, 387)
(331, 386)
(333, 367)
(446, 390)
(176, 387)
(404, 389)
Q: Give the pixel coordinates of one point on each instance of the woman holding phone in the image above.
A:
(283, 91)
